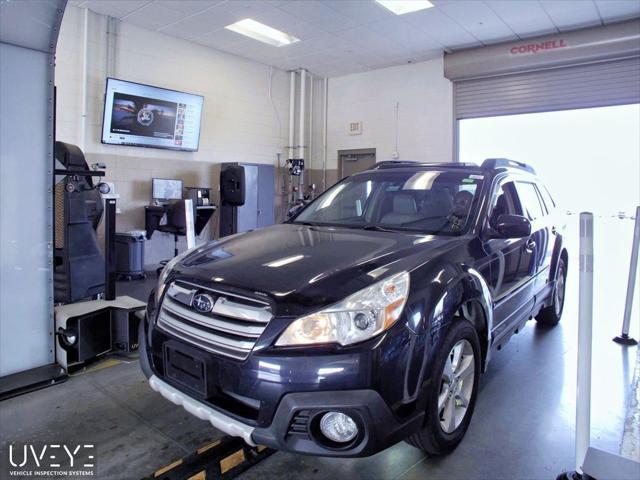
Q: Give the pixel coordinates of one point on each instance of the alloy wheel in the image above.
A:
(456, 386)
(559, 294)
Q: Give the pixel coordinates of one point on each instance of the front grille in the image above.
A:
(231, 328)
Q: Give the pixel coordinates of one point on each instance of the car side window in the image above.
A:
(530, 200)
(504, 202)
(546, 197)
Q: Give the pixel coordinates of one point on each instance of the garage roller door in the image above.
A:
(613, 82)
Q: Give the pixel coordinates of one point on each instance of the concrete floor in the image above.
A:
(523, 426)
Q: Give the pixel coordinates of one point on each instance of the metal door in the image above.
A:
(266, 195)
(247, 218)
(354, 161)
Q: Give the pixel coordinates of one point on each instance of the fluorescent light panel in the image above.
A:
(400, 7)
(261, 32)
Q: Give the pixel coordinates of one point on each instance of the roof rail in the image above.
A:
(410, 163)
(453, 164)
(394, 163)
(494, 163)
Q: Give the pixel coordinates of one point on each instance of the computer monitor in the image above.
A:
(166, 189)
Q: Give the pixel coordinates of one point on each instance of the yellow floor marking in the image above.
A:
(167, 468)
(199, 476)
(207, 447)
(260, 448)
(231, 461)
(109, 362)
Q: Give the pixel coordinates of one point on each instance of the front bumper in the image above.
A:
(379, 426)
(216, 418)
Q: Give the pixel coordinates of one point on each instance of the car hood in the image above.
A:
(303, 267)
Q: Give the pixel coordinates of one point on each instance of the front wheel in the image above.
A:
(551, 315)
(453, 393)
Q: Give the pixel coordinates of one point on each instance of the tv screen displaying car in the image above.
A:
(145, 116)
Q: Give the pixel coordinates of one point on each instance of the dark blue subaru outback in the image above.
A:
(368, 317)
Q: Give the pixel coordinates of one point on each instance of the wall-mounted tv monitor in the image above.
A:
(145, 116)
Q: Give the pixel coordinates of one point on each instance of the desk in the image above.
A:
(153, 215)
(203, 215)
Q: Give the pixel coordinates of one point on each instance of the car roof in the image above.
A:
(490, 166)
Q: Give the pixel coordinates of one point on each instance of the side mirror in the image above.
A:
(513, 226)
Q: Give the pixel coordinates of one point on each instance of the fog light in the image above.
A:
(338, 427)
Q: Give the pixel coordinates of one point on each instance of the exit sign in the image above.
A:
(355, 128)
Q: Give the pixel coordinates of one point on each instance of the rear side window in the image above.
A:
(530, 200)
(546, 197)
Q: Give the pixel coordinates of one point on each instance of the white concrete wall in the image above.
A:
(425, 126)
(238, 123)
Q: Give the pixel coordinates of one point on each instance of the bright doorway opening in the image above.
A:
(589, 158)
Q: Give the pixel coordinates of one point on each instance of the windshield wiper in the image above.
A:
(376, 228)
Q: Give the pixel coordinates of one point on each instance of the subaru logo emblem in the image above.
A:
(203, 302)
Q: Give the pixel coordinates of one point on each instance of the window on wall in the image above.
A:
(588, 158)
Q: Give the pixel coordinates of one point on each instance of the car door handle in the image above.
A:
(531, 244)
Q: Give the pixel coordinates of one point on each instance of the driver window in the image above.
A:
(504, 202)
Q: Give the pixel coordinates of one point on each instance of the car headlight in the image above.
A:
(358, 317)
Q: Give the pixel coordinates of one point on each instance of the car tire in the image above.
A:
(551, 315)
(438, 436)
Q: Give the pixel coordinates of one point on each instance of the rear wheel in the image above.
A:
(453, 395)
(551, 315)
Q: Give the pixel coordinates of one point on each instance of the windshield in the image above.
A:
(428, 201)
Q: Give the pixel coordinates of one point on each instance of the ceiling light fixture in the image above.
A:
(262, 33)
(400, 7)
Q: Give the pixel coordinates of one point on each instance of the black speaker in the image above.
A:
(232, 185)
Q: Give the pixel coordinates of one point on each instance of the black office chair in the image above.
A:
(176, 225)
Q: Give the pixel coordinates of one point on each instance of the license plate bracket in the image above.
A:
(186, 366)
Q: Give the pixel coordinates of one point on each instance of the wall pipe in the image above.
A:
(292, 113)
(84, 88)
(324, 133)
(310, 149)
(112, 38)
(108, 49)
(624, 338)
(292, 129)
(301, 132)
